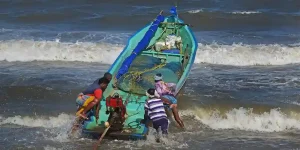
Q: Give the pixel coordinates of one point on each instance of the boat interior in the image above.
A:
(168, 53)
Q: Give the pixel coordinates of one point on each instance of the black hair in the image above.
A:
(103, 80)
(106, 74)
(151, 91)
(159, 74)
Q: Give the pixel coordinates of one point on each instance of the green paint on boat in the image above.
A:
(136, 100)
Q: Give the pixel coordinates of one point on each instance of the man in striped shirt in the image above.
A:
(154, 109)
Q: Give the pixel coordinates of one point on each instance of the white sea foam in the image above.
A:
(45, 122)
(245, 12)
(195, 11)
(235, 54)
(58, 126)
(244, 119)
(244, 55)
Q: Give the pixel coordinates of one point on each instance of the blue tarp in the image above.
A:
(142, 45)
(173, 11)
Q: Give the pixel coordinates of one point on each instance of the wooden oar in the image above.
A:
(100, 139)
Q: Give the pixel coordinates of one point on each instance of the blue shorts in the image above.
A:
(81, 100)
(171, 98)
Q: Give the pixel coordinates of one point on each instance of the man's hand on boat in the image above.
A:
(83, 116)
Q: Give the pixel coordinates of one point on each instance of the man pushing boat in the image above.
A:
(154, 110)
(88, 99)
(167, 95)
(106, 75)
(91, 97)
(83, 100)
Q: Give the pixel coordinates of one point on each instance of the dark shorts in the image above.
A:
(163, 124)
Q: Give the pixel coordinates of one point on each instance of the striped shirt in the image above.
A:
(155, 108)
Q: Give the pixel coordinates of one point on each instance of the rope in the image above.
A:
(135, 75)
(138, 73)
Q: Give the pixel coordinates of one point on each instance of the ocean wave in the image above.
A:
(219, 12)
(46, 122)
(27, 50)
(235, 54)
(273, 120)
(245, 12)
(245, 55)
(245, 119)
(195, 11)
(58, 126)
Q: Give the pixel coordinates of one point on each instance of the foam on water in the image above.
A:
(237, 118)
(57, 126)
(244, 55)
(45, 122)
(195, 11)
(51, 148)
(245, 12)
(244, 119)
(27, 50)
(235, 54)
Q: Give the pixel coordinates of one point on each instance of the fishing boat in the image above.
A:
(167, 45)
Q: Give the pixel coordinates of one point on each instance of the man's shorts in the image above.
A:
(171, 98)
(163, 124)
(84, 100)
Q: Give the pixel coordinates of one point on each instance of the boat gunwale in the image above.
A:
(188, 67)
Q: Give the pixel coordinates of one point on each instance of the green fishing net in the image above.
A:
(138, 84)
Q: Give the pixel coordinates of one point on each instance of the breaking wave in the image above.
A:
(46, 122)
(246, 12)
(195, 11)
(274, 120)
(245, 119)
(57, 126)
(235, 54)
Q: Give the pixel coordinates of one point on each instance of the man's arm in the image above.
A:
(171, 85)
(158, 89)
(97, 112)
(146, 117)
(96, 81)
(98, 97)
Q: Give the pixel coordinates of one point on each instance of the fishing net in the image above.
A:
(140, 76)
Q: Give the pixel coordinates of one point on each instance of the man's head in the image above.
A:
(107, 75)
(150, 93)
(103, 82)
(158, 77)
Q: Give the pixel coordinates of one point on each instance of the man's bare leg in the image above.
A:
(176, 116)
(89, 107)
